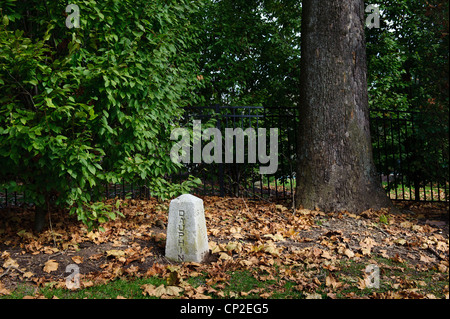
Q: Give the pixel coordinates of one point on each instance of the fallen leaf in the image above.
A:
(366, 251)
(93, 236)
(214, 232)
(276, 237)
(28, 274)
(151, 290)
(232, 246)
(271, 249)
(442, 267)
(400, 241)
(87, 284)
(3, 290)
(349, 253)
(264, 295)
(174, 278)
(225, 256)
(326, 255)
(115, 253)
(331, 281)
(10, 263)
(384, 254)
(173, 291)
(50, 265)
(77, 259)
(427, 259)
(406, 224)
(398, 259)
(368, 243)
(50, 250)
(361, 284)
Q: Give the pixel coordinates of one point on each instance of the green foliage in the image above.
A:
(250, 52)
(384, 219)
(81, 108)
(408, 63)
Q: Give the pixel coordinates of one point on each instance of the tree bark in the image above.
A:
(335, 170)
(39, 219)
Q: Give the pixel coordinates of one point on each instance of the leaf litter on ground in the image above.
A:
(309, 249)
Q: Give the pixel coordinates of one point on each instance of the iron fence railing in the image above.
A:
(412, 162)
(410, 151)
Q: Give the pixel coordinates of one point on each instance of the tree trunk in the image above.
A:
(335, 170)
(39, 218)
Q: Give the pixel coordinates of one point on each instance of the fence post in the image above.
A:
(219, 127)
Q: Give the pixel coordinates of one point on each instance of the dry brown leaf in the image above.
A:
(326, 255)
(349, 253)
(400, 241)
(93, 236)
(77, 259)
(87, 284)
(173, 291)
(214, 232)
(331, 281)
(225, 256)
(50, 265)
(361, 284)
(276, 237)
(3, 290)
(50, 250)
(366, 251)
(264, 295)
(115, 253)
(151, 290)
(10, 263)
(384, 253)
(368, 243)
(427, 259)
(271, 249)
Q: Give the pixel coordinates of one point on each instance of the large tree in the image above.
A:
(335, 167)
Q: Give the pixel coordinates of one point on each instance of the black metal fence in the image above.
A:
(410, 153)
(412, 163)
(243, 179)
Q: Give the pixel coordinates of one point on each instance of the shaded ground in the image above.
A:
(311, 249)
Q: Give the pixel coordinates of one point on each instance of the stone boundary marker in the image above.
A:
(187, 240)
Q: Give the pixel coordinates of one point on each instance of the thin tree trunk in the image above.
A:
(39, 218)
(336, 170)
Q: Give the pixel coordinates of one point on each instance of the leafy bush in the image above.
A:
(88, 106)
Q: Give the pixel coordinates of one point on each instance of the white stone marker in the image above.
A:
(187, 240)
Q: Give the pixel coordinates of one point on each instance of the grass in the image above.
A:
(240, 281)
(395, 278)
(130, 289)
(428, 193)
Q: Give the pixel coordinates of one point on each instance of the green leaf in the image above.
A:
(49, 102)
